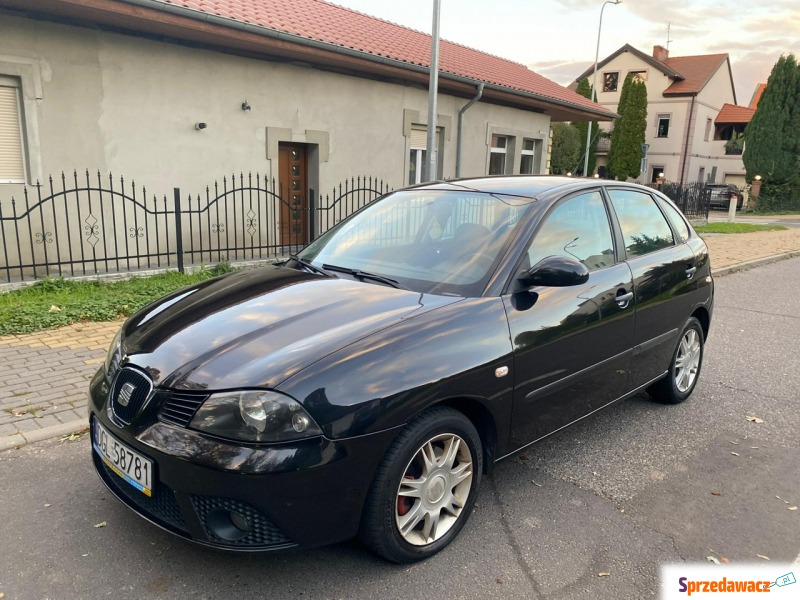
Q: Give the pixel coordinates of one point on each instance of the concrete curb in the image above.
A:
(45, 433)
(28, 437)
(754, 263)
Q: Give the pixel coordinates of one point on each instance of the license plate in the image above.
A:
(124, 460)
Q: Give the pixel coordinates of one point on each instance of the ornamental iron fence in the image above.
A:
(82, 225)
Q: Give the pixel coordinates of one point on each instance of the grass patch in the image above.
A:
(57, 302)
(736, 228)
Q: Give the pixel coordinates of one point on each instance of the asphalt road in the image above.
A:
(621, 493)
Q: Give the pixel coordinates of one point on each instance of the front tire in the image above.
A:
(684, 370)
(425, 488)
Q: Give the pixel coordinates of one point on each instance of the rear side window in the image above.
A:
(644, 228)
(675, 218)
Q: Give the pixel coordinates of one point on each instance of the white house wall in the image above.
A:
(129, 105)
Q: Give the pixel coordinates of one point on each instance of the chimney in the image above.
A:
(660, 53)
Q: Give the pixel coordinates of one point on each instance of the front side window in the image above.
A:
(497, 155)
(577, 228)
(610, 81)
(644, 228)
(662, 125)
(439, 242)
(12, 157)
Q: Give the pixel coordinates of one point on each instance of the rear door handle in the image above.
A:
(690, 272)
(623, 299)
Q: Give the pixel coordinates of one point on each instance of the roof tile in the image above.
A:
(730, 113)
(696, 71)
(325, 22)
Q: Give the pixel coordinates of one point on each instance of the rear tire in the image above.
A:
(684, 369)
(425, 488)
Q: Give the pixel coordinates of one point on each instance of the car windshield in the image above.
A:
(431, 241)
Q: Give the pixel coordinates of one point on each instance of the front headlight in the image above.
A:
(114, 356)
(254, 416)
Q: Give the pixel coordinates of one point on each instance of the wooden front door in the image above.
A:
(293, 181)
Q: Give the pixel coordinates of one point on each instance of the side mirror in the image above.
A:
(556, 271)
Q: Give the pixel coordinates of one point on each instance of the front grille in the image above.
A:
(180, 407)
(263, 532)
(129, 394)
(161, 506)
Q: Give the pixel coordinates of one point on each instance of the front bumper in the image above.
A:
(304, 494)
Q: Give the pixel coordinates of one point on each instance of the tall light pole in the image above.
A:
(594, 86)
(429, 171)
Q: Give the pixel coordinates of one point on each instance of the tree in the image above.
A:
(772, 138)
(585, 89)
(566, 149)
(625, 155)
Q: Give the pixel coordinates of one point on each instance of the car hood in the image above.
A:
(256, 328)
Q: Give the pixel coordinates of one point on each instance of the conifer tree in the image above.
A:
(566, 148)
(772, 138)
(625, 155)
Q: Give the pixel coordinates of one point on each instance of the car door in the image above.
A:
(663, 269)
(572, 345)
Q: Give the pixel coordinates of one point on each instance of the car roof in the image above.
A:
(527, 186)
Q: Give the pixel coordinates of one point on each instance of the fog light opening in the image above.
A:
(228, 525)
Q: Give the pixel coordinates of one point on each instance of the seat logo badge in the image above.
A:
(125, 394)
(501, 372)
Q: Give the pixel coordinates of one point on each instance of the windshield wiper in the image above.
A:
(307, 264)
(365, 275)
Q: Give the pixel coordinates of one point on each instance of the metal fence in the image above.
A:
(90, 224)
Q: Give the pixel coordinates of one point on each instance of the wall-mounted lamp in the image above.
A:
(199, 126)
(758, 177)
(246, 106)
(661, 175)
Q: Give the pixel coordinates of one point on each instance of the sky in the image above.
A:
(558, 38)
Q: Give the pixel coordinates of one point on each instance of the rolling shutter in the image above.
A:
(419, 139)
(12, 165)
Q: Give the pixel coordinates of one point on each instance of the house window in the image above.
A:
(419, 154)
(497, 155)
(12, 153)
(655, 172)
(531, 152)
(701, 176)
(663, 126)
(708, 130)
(610, 81)
(640, 76)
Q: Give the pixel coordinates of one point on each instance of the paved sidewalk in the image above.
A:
(44, 376)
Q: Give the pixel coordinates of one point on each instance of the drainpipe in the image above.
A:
(686, 142)
(460, 123)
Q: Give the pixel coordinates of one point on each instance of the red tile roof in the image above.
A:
(757, 95)
(325, 22)
(730, 113)
(696, 72)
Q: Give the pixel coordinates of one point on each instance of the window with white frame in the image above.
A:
(12, 151)
(531, 155)
(497, 155)
(419, 154)
(662, 126)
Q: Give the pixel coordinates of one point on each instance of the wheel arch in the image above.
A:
(701, 314)
(484, 422)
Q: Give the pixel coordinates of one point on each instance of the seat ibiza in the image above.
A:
(365, 386)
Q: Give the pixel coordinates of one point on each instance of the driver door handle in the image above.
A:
(623, 299)
(690, 272)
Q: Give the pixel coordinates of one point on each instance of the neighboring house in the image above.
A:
(685, 126)
(184, 92)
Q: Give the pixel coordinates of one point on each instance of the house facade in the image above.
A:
(302, 92)
(685, 96)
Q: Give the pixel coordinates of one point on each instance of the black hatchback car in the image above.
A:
(366, 385)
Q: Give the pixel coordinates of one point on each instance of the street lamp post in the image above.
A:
(594, 86)
(429, 171)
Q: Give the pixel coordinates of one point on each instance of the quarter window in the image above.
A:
(577, 228)
(674, 217)
(644, 228)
